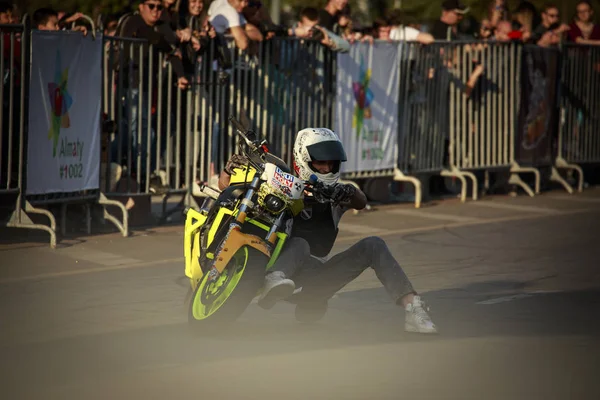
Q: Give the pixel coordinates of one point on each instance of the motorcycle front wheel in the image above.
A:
(227, 297)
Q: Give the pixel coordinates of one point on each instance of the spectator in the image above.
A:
(330, 15)
(523, 20)
(345, 24)
(309, 18)
(497, 12)
(582, 29)
(72, 19)
(112, 21)
(226, 17)
(446, 28)
(381, 29)
(170, 13)
(6, 13)
(549, 32)
(257, 15)
(45, 19)
(192, 19)
(307, 27)
(502, 31)
(528, 9)
(146, 25)
(406, 33)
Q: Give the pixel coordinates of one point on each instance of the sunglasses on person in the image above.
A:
(152, 6)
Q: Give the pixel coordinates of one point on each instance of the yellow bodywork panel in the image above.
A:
(242, 175)
(193, 222)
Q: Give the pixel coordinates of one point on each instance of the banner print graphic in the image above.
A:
(64, 118)
(367, 106)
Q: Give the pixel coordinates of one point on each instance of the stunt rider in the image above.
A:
(318, 151)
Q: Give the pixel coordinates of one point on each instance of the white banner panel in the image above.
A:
(65, 97)
(367, 106)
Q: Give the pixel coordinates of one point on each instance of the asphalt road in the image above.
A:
(513, 283)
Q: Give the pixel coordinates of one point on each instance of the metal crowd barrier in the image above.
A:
(503, 103)
(16, 205)
(14, 65)
(449, 122)
(578, 140)
(282, 86)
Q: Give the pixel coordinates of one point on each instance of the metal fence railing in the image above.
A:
(14, 65)
(463, 109)
(181, 138)
(579, 128)
(18, 209)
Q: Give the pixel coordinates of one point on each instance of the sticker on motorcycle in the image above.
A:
(286, 183)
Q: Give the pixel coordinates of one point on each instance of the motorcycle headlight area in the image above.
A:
(271, 200)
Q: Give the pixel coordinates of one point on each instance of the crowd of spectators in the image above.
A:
(180, 32)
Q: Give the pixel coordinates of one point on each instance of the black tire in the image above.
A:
(251, 281)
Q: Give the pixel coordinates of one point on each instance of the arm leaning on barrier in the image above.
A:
(333, 41)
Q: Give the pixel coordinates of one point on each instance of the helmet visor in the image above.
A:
(330, 150)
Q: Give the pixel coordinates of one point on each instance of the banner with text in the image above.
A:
(367, 106)
(64, 113)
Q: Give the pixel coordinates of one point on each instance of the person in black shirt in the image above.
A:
(136, 78)
(446, 28)
(318, 151)
(329, 16)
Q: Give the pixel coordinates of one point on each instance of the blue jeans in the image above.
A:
(129, 132)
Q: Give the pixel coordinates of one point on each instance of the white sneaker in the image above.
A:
(417, 320)
(277, 287)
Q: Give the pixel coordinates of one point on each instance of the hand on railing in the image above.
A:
(183, 83)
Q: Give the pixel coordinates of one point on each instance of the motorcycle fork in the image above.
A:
(235, 239)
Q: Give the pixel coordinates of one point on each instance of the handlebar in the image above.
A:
(321, 192)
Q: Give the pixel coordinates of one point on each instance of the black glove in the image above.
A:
(236, 161)
(342, 193)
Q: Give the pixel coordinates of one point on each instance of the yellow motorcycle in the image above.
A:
(238, 233)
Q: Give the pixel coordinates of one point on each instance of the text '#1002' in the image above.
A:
(71, 171)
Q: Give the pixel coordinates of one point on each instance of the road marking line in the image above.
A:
(515, 207)
(354, 228)
(423, 214)
(519, 296)
(96, 256)
(143, 264)
(461, 224)
(575, 199)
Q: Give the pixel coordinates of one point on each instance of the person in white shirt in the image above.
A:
(406, 33)
(226, 17)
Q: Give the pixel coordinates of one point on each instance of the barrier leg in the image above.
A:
(63, 219)
(475, 183)
(88, 218)
(400, 177)
(515, 179)
(463, 182)
(556, 177)
(347, 182)
(123, 227)
(20, 219)
(561, 163)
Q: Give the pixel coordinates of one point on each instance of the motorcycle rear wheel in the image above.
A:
(228, 296)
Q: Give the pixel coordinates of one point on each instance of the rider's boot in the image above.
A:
(277, 287)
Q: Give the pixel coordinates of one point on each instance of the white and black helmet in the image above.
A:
(320, 144)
